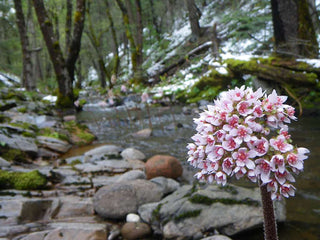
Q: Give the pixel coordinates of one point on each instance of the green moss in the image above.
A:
(200, 199)
(22, 180)
(64, 101)
(49, 132)
(156, 213)
(22, 109)
(77, 16)
(190, 214)
(13, 155)
(86, 137)
(28, 134)
(75, 162)
(229, 189)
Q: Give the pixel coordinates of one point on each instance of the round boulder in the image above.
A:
(115, 201)
(163, 165)
(132, 154)
(135, 230)
(119, 199)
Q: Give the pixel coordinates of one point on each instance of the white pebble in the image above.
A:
(131, 217)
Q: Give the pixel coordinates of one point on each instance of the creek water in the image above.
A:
(172, 130)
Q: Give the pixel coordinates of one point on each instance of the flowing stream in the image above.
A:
(172, 130)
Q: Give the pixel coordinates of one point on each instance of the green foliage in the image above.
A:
(22, 180)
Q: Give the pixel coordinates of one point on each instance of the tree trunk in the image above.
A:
(139, 41)
(74, 49)
(96, 43)
(154, 19)
(37, 65)
(293, 29)
(68, 24)
(65, 97)
(129, 35)
(194, 16)
(115, 41)
(27, 78)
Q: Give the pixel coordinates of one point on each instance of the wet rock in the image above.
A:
(102, 152)
(72, 206)
(144, 133)
(13, 230)
(132, 175)
(112, 166)
(4, 163)
(217, 237)
(191, 210)
(47, 154)
(163, 165)
(167, 185)
(54, 144)
(34, 210)
(132, 154)
(117, 200)
(79, 231)
(6, 105)
(24, 144)
(135, 230)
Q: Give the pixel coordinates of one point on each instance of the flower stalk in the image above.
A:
(269, 220)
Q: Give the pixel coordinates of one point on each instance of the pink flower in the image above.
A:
(227, 165)
(277, 163)
(216, 153)
(242, 133)
(263, 169)
(232, 139)
(243, 156)
(284, 176)
(144, 97)
(221, 178)
(232, 123)
(230, 144)
(261, 146)
(280, 144)
(244, 108)
(295, 162)
(123, 88)
(287, 190)
(199, 139)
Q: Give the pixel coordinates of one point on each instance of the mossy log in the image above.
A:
(280, 73)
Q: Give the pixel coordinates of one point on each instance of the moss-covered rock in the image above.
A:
(22, 180)
(79, 133)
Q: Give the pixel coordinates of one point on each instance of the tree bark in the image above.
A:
(75, 45)
(293, 29)
(139, 37)
(135, 52)
(194, 16)
(27, 78)
(115, 41)
(68, 24)
(65, 97)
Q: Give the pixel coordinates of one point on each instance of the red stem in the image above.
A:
(270, 225)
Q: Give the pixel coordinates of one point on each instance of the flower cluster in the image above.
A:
(245, 134)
